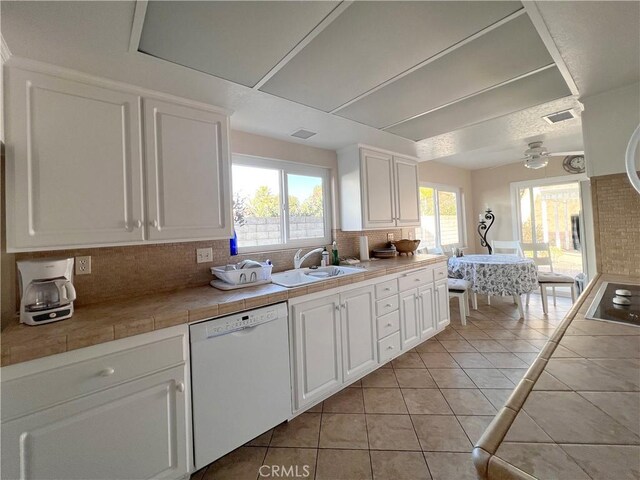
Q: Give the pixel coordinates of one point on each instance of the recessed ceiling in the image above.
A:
(413, 69)
(526, 92)
(509, 51)
(237, 41)
(371, 42)
(598, 41)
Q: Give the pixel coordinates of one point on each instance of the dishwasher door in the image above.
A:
(240, 379)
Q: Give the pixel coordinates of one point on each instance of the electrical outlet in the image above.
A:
(83, 265)
(389, 237)
(204, 255)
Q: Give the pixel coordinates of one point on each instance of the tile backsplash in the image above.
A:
(130, 271)
(616, 215)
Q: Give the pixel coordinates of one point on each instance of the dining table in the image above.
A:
(497, 275)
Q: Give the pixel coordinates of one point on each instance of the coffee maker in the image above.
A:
(46, 291)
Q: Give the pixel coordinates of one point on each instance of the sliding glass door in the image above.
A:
(551, 213)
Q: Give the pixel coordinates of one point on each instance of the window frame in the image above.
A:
(286, 167)
(462, 237)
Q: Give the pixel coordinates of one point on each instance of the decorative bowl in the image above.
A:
(406, 247)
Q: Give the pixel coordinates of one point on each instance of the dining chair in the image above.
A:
(540, 253)
(459, 289)
(508, 247)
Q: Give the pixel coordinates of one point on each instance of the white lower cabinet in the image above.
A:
(132, 429)
(358, 332)
(334, 341)
(317, 352)
(427, 316)
(443, 316)
(409, 319)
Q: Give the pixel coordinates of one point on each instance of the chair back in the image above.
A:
(507, 247)
(539, 252)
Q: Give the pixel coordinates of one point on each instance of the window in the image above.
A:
(279, 204)
(441, 220)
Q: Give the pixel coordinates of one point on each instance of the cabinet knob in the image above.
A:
(154, 223)
(416, 279)
(386, 289)
(107, 372)
(337, 308)
(390, 347)
(344, 305)
(139, 224)
(180, 387)
(389, 324)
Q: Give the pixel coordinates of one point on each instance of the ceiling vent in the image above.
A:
(560, 116)
(303, 134)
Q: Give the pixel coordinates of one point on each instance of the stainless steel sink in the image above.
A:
(305, 276)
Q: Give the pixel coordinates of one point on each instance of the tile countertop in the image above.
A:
(576, 413)
(103, 322)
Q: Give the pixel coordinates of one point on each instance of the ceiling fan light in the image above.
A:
(536, 162)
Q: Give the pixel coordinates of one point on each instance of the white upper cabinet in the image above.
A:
(377, 189)
(187, 172)
(75, 169)
(407, 196)
(73, 163)
(378, 203)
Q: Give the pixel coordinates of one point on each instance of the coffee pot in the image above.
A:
(46, 289)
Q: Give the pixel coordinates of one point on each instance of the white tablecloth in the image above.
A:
(496, 274)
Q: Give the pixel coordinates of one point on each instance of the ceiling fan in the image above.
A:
(536, 156)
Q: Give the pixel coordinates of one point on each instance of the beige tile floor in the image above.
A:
(416, 417)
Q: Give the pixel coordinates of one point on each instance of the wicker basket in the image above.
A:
(406, 247)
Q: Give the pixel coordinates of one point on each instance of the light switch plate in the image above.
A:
(83, 265)
(204, 255)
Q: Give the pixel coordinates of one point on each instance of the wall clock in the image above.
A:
(574, 163)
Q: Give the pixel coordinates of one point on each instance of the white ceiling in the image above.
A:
(328, 70)
(598, 40)
(212, 36)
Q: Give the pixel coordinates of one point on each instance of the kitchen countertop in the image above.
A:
(104, 322)
(576, 413)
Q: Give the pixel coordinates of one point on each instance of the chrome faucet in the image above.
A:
(297, 261)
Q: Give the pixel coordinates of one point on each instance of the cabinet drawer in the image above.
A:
(440, 272)
(415, 279)
(386, 289)
(389, 347)
(49, 387)
(386, 305)
(388, 324)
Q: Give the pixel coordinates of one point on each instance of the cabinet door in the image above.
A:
(426, 296)
(358, 332)
(317, 349)
(188, 179)
(377, 189)
(135, 430)
(73, 163)
(409, 319)
(442, 301)
(407, 194)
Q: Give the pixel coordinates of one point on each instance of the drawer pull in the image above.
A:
(389, 324)
(180, 387)
(390, 347)
(416, 279)
(107, 372)
(388, 305)
(386, 289)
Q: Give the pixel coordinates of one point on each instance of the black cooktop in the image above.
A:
(604, 308)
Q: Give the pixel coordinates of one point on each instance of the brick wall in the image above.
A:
(616, 216)
(130, 271)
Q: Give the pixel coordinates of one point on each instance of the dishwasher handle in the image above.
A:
(239, 330)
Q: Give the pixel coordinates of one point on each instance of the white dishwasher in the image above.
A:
(240, 379)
